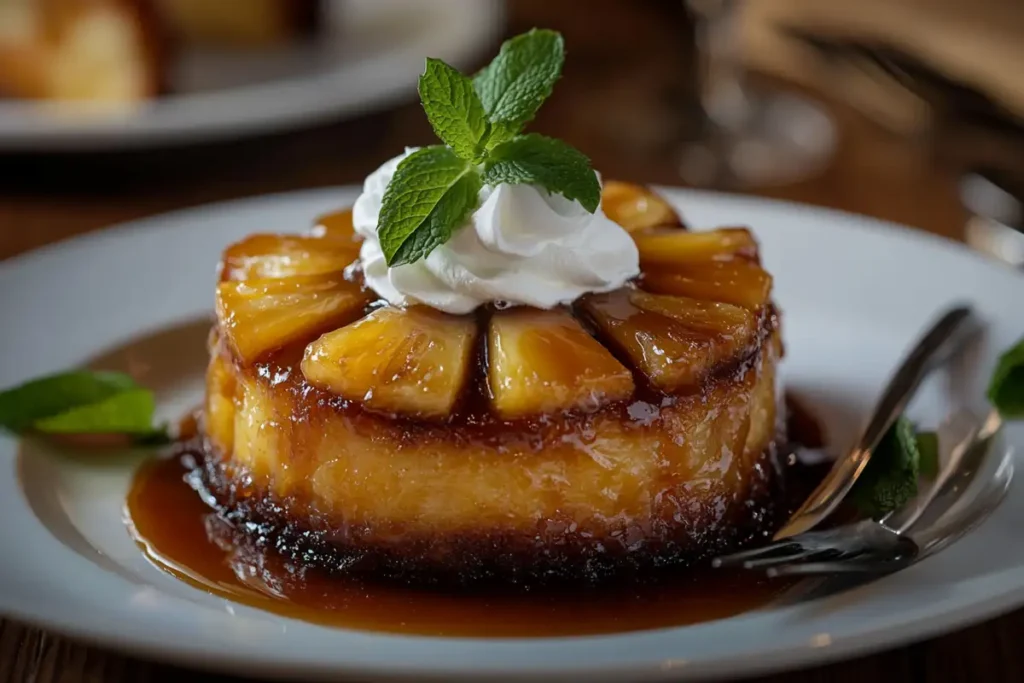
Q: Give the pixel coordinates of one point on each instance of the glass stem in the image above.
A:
(722, 93)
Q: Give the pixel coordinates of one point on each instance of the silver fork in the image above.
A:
(943, 341)
(940, 515)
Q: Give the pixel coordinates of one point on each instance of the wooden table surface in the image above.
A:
(620, 100)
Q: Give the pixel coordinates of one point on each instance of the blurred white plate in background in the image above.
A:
(368, 55)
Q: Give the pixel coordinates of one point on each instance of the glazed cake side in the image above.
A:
(669, 462)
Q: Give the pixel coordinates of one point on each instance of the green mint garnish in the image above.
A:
(890, 479)
(514, 85)
(431, 193)
(1006, 389)
(552, 164)
(23, 405)
(435, 189)
(130, 412)
(454, 110)
(81, 402)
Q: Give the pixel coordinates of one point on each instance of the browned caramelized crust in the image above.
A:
(633, 428)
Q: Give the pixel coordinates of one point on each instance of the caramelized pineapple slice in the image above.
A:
(545, 362)
(258, 316)
(668, 248)
(279, 256)
(336, 226)
(635, 208)
(411, 361)
(674, 341)
(271, 256)
(736, 281)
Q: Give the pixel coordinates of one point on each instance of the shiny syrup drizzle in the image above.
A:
(184, 536)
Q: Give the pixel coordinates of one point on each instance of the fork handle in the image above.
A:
(944, 339)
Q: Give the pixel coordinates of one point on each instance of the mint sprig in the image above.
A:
(479, 120)
(552, 164)
(431, 193)
(454, 109)
(515, 84)
(130, 412)
(81, 402)
(1006, 389)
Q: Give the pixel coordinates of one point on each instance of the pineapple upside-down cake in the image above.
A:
(631, 428)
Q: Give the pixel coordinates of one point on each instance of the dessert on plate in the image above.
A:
(492, 365)
(631, 426)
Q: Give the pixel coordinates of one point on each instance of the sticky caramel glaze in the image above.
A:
(655, 480)
(206, 548)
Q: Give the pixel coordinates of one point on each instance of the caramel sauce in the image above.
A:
(182, 535)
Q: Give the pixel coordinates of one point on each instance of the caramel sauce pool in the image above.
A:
(182, 535)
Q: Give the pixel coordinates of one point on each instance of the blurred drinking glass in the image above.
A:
(995, 225)
(749, 136)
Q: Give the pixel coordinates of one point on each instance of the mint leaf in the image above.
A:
(552, 164)
(890, 479)
(514, 85)
(82, 402)
(450, 212)
(431, 194)
(1006, 389)
(129, 412)
(453, 108)
(22, 406)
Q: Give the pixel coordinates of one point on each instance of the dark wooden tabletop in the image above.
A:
(622, 100)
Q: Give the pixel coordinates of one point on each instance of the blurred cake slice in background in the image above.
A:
(239, 23)
(80, 50)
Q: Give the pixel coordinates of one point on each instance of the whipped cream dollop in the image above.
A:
(521, 246)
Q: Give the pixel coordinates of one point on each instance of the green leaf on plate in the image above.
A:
(890, 479)
(1006, 389)
(24, 405)
(129, 412)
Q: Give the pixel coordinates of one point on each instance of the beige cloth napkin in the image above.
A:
(979, 43)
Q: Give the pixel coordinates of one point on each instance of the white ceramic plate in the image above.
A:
(369, 54)
(854, 293)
